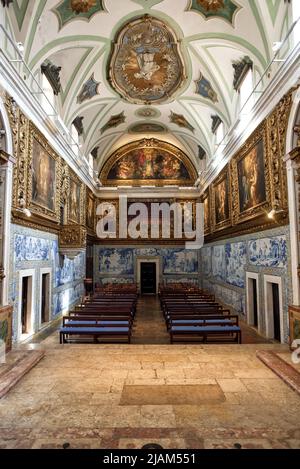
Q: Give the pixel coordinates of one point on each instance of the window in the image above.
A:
(48, 101)
(219, 133)
(75, 139)
(246, 88)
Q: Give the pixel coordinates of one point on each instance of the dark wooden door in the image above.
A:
(255, 315)
(276, 311)
(148, 278)
(24, 309)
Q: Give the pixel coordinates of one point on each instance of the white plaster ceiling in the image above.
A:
(82, 47)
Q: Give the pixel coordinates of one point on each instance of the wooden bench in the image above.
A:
(96, 332)
(216, 333)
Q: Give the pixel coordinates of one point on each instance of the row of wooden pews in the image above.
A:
(193, 315)
(106, 317)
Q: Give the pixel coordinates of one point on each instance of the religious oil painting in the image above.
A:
(221, 196)
(222, 202)
(43, 176)
(206, 211)
(148, 162)
(74, 202)
(90, 211)
(146, 64)
(251, 178)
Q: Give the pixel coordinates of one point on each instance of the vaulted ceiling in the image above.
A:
(212, 35)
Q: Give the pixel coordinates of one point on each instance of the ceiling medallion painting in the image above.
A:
(114, 121)
(148, 112)
(147, 127)
(181, 121)
(224, 9)
(148, 162)
(68, 10)
(146, 64)
(89, 90)
(204, 88)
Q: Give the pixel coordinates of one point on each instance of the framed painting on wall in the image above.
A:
(251, 178)
(221, 201)
(205, 199)
(43, 176)
(74, 200)
(90, 210)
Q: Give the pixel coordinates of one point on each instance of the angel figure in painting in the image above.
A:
(147, 66)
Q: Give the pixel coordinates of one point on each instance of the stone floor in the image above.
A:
(103, 396)
(74, 396)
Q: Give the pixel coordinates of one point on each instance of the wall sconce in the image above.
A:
(23, 208)
(271, 214)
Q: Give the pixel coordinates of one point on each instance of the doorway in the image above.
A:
(148, 278)
(253, 300)
(26, 315)
(274, 308)
(45, 295)
(276, 311)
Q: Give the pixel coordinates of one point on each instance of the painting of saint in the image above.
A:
(74, 208)
(90, 212)
(251, 178)
(43, 177)
(221, 201)
(206, 213)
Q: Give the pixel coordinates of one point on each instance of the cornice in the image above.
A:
(18, 89)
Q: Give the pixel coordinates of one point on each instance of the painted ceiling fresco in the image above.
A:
(177, 78)
(146, 66)
(215, 8)
(68, 10)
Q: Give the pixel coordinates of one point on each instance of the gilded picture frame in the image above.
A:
(221, 201)
(43, 177)
(250, 184)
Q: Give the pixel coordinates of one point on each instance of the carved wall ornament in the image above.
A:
(216, 121)
(52, 73)
(241, 69)
(89, 90)
(181, 121)
(204, 88)
(5, 3)
(72, 237)
(114, 121)
(94, 152)
(201, 153)
(146, 65)
(78, 124)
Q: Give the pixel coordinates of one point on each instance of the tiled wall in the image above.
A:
(224, 264)
(32, 249)
(119, 264)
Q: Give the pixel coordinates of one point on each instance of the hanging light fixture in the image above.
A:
(82, 6)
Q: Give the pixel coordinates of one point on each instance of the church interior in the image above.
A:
(149, 224)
